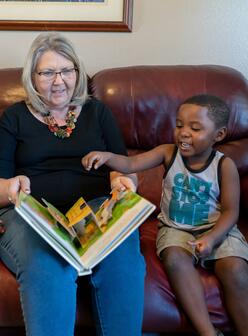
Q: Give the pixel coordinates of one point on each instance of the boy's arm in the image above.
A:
(128, 164)
(230, 195)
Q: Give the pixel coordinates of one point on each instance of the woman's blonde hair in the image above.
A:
(52, 41)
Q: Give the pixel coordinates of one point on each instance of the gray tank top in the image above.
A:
(190, 198)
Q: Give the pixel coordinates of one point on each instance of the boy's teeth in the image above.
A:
(185, 145)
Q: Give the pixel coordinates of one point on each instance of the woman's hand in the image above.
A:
(15, 185)
(123, 182)
(2, 228)
(95, 159)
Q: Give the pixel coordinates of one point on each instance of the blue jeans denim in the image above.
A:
(47, 284)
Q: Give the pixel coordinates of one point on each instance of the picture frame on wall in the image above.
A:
(67, 15)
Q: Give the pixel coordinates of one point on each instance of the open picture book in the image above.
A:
(83, 238)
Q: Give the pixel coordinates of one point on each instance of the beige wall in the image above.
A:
(164, 32)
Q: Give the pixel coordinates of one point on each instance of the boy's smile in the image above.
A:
(195, 133)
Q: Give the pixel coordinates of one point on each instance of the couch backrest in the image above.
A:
(11, 89)
(145, 99)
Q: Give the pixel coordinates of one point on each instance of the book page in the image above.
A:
(88, 241)
(41, 220)
(46, 231)
(61, 218)
(128, 214)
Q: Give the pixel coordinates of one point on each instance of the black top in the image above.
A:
(28, 147)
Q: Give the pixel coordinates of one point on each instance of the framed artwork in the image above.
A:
(67, 15)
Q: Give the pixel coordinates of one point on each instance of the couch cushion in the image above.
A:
(11, 89)
(145, 98)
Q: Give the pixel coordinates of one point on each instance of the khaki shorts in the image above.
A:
(235, 244)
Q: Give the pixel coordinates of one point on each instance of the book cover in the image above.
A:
(83, 237)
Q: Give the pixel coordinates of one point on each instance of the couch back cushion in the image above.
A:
(145, 100)
(11, 89)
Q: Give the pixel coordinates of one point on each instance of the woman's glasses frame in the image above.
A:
(51, 75)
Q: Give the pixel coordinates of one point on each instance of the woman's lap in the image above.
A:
(45, 280)
(119, 285)
(48, 288)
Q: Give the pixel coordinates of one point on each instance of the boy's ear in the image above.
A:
(220, 134)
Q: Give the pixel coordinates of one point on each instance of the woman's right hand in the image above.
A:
(15, 185)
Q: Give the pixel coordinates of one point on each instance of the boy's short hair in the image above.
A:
(218, 111)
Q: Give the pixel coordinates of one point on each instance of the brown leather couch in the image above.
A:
(144, 100)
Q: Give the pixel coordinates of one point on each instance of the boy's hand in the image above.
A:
(95, 159)
(203, 246)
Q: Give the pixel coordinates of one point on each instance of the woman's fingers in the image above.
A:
(16, 184)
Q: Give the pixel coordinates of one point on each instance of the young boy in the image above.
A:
(199, 210)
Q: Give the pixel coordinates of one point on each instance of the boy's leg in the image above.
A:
(233, 275)
(178, 260)
(118, 290)
(188, 288)
(46, 282)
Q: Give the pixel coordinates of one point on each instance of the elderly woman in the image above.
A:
(42, 141)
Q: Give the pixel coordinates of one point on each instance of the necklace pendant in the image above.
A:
(62, 131)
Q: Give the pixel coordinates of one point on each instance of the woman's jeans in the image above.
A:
(47, 283)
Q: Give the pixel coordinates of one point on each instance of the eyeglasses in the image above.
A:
(51, 75)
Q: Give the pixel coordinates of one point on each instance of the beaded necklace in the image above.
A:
(62, 131)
